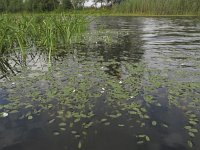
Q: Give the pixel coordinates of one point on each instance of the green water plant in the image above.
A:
(50, 33)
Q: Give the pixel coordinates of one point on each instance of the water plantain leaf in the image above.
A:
(141, 136)
(154, 123)
(140, 142)
(79, 144)
(73, 132)
(56, 133)
(107, 123)
(103, 120)
(147, 138)
(166, 126)
(192, 122)
(120, 125)
(188, 127)
(62, 124)
(193, 130)
(63, 129)
(30, 117)
(51, 121)
(14, 111)
(190, 144)
(191, 134)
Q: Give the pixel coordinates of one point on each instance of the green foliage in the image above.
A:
(66, 4)
(40, 5)
(11, 5)
(159, 7)
(33, 5)
(50, 32)
(3, 5)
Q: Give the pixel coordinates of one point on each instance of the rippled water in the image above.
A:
(133, 83)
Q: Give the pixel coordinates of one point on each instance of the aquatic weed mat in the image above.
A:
(79, 100)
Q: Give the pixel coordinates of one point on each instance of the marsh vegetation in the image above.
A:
(159, 7)
(50, 34)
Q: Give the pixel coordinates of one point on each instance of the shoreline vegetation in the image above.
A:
(50, 34)
(159, 7)
(110, 7)
(101, 12)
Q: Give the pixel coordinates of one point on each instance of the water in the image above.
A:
(133, 83)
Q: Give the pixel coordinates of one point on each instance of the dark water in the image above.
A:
(132, 83)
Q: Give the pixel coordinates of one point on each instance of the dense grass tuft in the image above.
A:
(47, 32)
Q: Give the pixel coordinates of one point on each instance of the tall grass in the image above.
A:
(159, 7)
(47, 32)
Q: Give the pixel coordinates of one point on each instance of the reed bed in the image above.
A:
(159, 7)
(49, 33)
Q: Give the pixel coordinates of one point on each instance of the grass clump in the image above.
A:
(50, 33)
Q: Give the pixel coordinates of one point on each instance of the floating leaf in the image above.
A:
(76, 120)
(146, 116)
(140, 142)
(143, 110)
(190, 144)
(79, 144)
(73, 132)
(147, 138)
(103, 120)
(77, 136)
(121, 125)
(164, 125)
(29, 106)
(193, 130)
(88, 125)
(191, 134)
(142, 124)
(158, 104)
(192, 122)
(14, 111)
(62, 124)
(154, 123)
(63, 129)
(30, 117)
(188, 127)
(51, 121)
(4, 114)
(141, 136)
(56, 133)
(84, 133)
(107, 123)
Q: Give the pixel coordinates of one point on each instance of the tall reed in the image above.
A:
(47, 32)
(159, 7)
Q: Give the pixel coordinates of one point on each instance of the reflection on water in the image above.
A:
(133, 84)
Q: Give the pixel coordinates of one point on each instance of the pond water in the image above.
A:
(132, 83)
